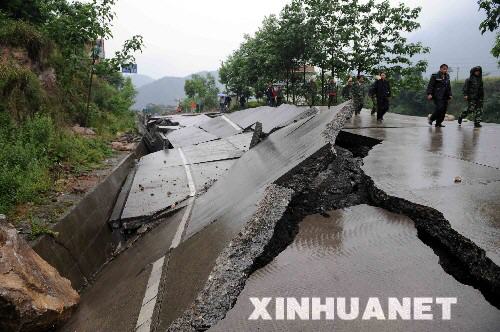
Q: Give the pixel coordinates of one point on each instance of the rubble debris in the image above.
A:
(33, 296)
(83, 130)
(120, 146)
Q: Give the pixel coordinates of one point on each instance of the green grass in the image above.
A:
(31, 153)
(38, 227)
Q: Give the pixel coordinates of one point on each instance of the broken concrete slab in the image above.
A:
(205, 175)
(189, 136)
(33, 295)
(262, 165)
(473, 211)
(211, 151)
(161, 181)
(241, 141)
(221, 127)
(189, 120)
(154, 190)
(271, 118)
(85, 240)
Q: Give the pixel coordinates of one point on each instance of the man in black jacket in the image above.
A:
(382, 90)
(474, 95)
(439, 90)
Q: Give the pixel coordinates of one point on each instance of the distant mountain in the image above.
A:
(165, 91)
(139, 80)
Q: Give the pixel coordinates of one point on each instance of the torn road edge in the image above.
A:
(234, 264)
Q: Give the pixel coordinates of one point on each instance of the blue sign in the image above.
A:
(131, 68)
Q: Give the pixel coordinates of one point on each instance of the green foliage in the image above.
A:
(201, 90)
(29, 153)
(492, 9)
(34, 11)
(20, 90)
(492, 22)
(255, 103)
(38, 227)
(21, 34)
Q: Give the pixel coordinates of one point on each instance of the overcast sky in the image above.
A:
(186, 36)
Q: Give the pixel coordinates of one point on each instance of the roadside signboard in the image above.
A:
(131, 68)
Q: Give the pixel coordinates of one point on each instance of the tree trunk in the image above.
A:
(304, 73)
(287, 80)
(322, 86)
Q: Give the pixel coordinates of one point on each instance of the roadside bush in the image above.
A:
(30, 151)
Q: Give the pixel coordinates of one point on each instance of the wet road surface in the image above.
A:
(422, 163)
(359, 252)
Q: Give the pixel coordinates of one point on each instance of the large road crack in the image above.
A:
(330, 179)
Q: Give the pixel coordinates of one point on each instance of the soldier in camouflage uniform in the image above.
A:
(474, 95)
(358, 94)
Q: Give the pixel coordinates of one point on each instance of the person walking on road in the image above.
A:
(312, 92)
(358, 94)
(347, 90)
(222, 102)
(269, 95)
(373, 96)
(439, 91)
(382, 91)
(332, 93)
(474, 95)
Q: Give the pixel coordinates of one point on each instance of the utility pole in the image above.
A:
(458, 70)
(95, 55)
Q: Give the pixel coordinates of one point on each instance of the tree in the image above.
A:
(202, 90)
(340, 36)
(329, 21)
(378, 39)
(492, 22)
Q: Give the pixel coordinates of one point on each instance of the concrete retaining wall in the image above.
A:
(85, 242)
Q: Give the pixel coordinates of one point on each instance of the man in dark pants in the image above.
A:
(358, 94)
(332, 93)
(474, 95)
(439, 90)
(382, 90)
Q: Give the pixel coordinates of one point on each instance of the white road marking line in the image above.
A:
(234, 125)
(192, 188)
(180, 229)
(150, 295)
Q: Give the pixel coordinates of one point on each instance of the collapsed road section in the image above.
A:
(303, 214)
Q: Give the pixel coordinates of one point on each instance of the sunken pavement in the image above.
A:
(298, 202)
